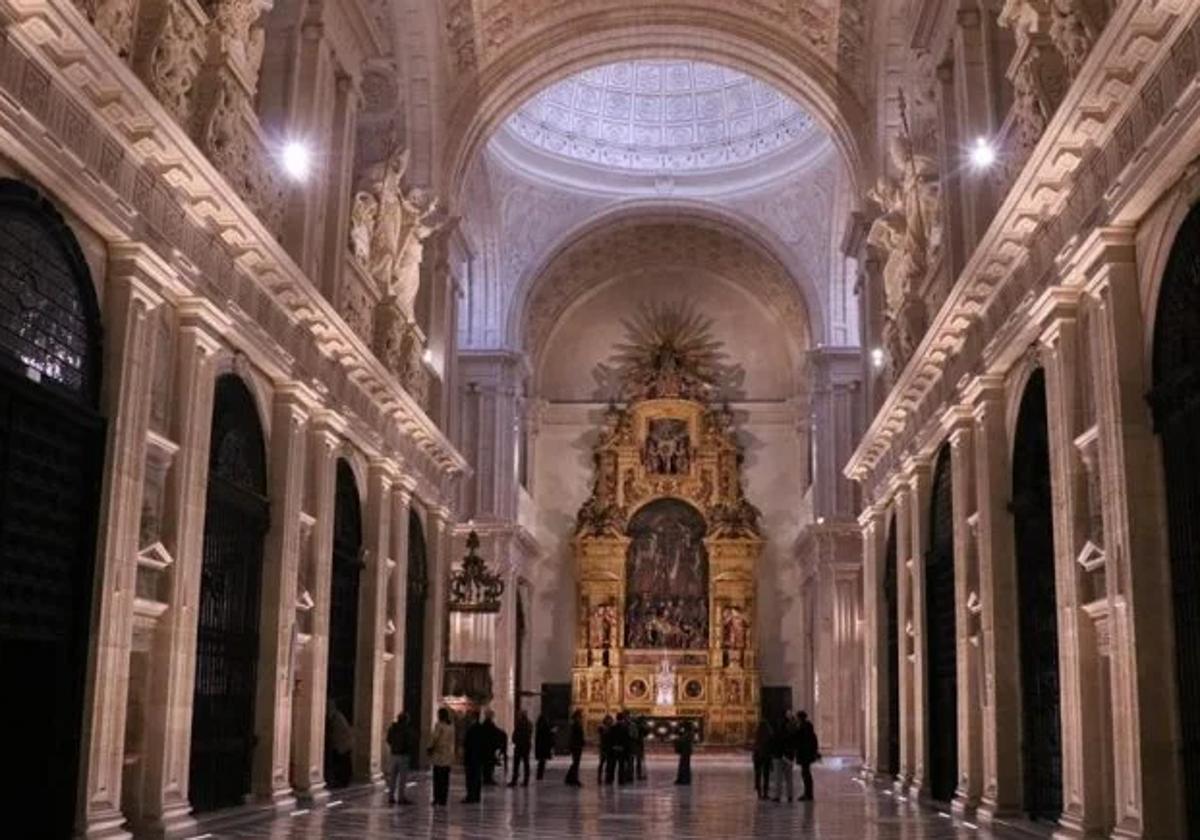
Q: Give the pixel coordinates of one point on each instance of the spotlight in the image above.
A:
(983, 154)
(427, 356)
(297, 160)
(877, 358)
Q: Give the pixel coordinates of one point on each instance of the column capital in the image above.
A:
(329, 425)
(405, 486)
(147, 272)
(202, 315)
(1103, 248)
(916, 468)
(299, 396)
(872, 516)
(442, 515)
(957, 421)
(984, 392)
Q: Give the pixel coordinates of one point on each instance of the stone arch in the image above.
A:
(734, 39)
(602, 251)
(648, 211)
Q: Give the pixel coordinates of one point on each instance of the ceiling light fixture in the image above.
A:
(983, 154)
(877, 358)
(297, 160)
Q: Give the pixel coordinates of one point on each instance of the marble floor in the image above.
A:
(720, 804)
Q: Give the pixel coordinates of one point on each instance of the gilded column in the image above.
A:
(1000, 694)
(131, 300)
(308, 716)
(1146, 757)
(970, 764)
(368, 758)
(271, 779)
(876, 667)
(172, 684)
(1082, 685)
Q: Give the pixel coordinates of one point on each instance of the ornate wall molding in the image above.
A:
(1138, 76)
(124, 164)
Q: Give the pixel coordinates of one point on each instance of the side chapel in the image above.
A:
(668, 546)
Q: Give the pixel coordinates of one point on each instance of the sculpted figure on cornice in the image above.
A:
(389, 229)
(113, 19)
(1072, 33)
(907, 236)
(1029, 108)
(236, 21)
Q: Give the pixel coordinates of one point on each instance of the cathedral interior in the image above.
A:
(702, 359)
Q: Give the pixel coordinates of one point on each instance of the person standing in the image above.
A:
(807, 752)
(604, 747)
(782, 754)
(638, 731)
(400, 742)
(543, 743)
(494, 741)
(441, 755)
(577, 743)
(683, 748)
(522, 740)
(477, 744)
(762, 759)
(339, 746)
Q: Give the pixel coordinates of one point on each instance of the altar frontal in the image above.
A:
(668, 545)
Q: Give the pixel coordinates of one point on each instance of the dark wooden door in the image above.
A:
(344, 592)
(1033, 521)
(414, 626)
(941, 654)
(1175, 399)
(51, 459)
(235, 525)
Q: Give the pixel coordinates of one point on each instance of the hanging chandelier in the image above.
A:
(473, 588)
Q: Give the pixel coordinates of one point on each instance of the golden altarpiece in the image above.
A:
(668, 546)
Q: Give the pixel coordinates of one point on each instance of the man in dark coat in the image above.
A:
(763, 737)
(618, 751)
(543, 744)
(577, 742)
(522, 741)
(495, 742)
(604, 747)
(637, 730)
(476, 747)
(683, 748)
(807, 751)
(401, 743)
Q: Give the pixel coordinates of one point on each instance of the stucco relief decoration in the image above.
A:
(236, 23)
(907, 236)
(113, 19)
(667, 541)
(172, 60)
(460, 31)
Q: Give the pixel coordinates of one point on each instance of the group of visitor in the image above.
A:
(779, 746)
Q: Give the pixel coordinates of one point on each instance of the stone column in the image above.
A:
(397, 598)
(970, 760)
(904, 618)
(368, 729)
(172, 682)
(1000, 695)
(1137, 571)
(441, 544)
(132, 302)
(920, 484)
(977, 81)
(278, 634)
(1081, 684)
(308, 717)
(876, 667)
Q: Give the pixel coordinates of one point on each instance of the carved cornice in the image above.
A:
(125, 165)
(1079, 163)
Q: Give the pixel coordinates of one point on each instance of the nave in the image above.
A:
(719, 804)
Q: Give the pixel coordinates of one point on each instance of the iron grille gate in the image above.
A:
(343, 604)
(1033, 520)
(892, 595)
(941, 651)
(414, 626)
(1176, 404)
(235, 525)
(51, 462)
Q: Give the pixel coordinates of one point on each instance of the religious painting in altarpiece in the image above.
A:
(667, 545)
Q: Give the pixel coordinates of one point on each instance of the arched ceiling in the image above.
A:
(658, 247)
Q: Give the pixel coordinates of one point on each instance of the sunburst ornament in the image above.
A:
(669, 353)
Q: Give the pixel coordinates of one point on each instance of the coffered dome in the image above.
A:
(667, 116)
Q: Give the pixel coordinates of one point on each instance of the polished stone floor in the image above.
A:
(720, 804)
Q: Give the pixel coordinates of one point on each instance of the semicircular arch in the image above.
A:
(577, 43)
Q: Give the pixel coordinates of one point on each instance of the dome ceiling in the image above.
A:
(668, 116)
